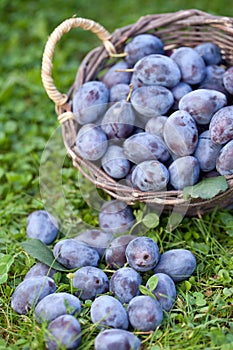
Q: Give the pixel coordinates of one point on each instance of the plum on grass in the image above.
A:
(142, 45)
(118, 122)
(201, 104)
(107, 311)
(42, 225)
(55, 305)
(180, 133)
(191, 64)
(165, 291)
(184, 171)
(221, 125)
(152, 100)
(96, 239)
(115, 163)
(113, 76)
(63, 332)
(179, 264)
(115, 253)
(117, 339)
(157, 69)
(73, 254)
(39, 270)
(90, 281)
(90, 101)
(145, 146)
(150, 175)
(91, 142)
(210, 53)
(142, 254)
(207, 152)
(145, 313)
(116, 217)
(124, 284)
(224, 164)
(30, 291)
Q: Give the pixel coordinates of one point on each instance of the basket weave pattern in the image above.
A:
(182, 28)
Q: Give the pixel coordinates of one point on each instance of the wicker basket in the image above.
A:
(182, 28)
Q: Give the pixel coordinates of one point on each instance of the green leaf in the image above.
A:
(152, 282)
(151, 220)
(5, 263)
(145, 291)
(38, 250)
(207, 188)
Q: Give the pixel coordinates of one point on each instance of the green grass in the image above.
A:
(202, 317)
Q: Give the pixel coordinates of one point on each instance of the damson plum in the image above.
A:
(90, 281)
(180, 133)
(221, 125)
(145, 313)
(142, 254)
(63, 332)
(179, 264)
(39, 270)
(150, 175)
(191, 64)
(96, 239)
(155, 125)
(165, 291)
(89, 101)
(113, 76)
(115, 253)
(42, 225)
(224, 162)
(118, 122)
(73, 254)
(124, 284)
(117, 339)
(210, 53)
(228, 80)
(115, 163)
(145, 146)
(179, 91)
(55, 305)
(214, 79)
(91, 142)
(116, 217)
(119, 92)
(30, 291)
(207, 152)
(142, 45)
(107, 311)
(201, 104)
(151, 101)
(184, 171)
(157, 70)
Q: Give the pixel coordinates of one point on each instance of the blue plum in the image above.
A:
(117, 339)
(155, 125)
(90, 101)
(228, 80)
(30, 291)
(142, 254)
(113, 76)
(178, 263)
(39, 270)
(107, 311)
(210, 53)
(115, 253)
(91, 142)
(73, 254)
(55, 305)
(96, 239)
(63, 332)
(224, 163)
(124, 284)
(115, 163)
(184, 171)
(221, 125)
(42, 225)
(145, 313)
(119, 92)
(165, 291)
(90, 281)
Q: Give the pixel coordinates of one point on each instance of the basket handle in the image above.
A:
(46, 71)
